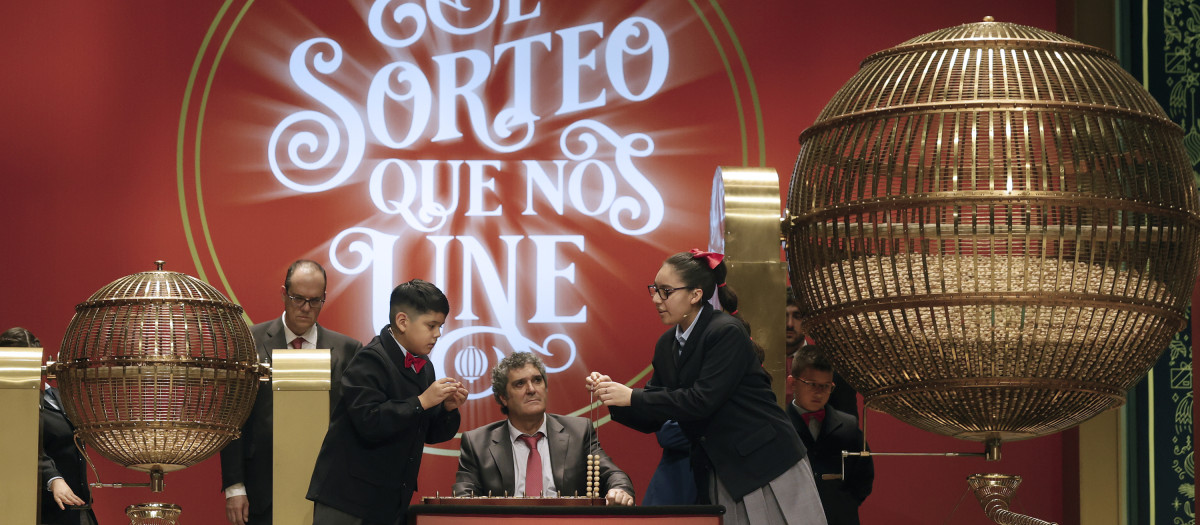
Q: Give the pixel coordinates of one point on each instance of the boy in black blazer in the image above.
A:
(391, 406)
(826, 432)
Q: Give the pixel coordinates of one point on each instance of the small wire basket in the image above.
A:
(153, 514)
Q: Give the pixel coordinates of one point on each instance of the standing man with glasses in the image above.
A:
(246, 462)
(826, 432)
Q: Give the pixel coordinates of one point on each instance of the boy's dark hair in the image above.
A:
(19, 337)
(416, 298)
(514, 361)
(811, 356)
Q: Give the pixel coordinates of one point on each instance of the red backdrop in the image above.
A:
(143, 130)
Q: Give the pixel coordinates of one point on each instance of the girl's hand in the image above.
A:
(595, 378)
(614, 394)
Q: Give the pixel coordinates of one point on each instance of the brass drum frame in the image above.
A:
(993, 231)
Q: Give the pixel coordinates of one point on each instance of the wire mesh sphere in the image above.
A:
(157, 370)
(993, 231)
(153, 514)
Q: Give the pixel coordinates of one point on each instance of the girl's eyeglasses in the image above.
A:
(663, 293)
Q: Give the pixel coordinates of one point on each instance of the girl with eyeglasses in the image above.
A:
(745, 453)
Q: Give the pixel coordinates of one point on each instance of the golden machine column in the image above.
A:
(301, 381)
(20, 381)
(745, 226)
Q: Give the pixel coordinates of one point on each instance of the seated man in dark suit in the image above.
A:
(826, 432)
(246, 461)
(495, 459)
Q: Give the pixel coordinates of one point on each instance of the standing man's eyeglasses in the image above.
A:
(299, 301)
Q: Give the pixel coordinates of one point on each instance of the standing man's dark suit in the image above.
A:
(248, 459)
(60, 459)
(372, 452)
(839, 431)
(485, 465)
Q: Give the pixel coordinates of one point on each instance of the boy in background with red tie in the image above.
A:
(391, 406)
(826, 432)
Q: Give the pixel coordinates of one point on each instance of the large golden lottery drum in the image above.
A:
(993, 231)
(158, 371)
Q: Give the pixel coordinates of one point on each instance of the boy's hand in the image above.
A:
(456, 400)
(437, 392)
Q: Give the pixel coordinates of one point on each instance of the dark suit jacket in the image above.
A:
(839, 431)
(722, 399)
(58, 457)
(485, 462)
(673, 482)
(248, 459)
(372, 451)
(844, 397)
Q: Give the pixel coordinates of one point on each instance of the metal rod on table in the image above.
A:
(867, 453)
(991, 452)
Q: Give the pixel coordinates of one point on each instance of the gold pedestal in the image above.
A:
(745, 225)
(300, 380)
(20, 386)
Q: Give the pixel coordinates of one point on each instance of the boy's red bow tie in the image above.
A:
(808, 416)
(415, 362)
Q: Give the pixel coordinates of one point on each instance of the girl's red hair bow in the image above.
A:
(713, 259)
